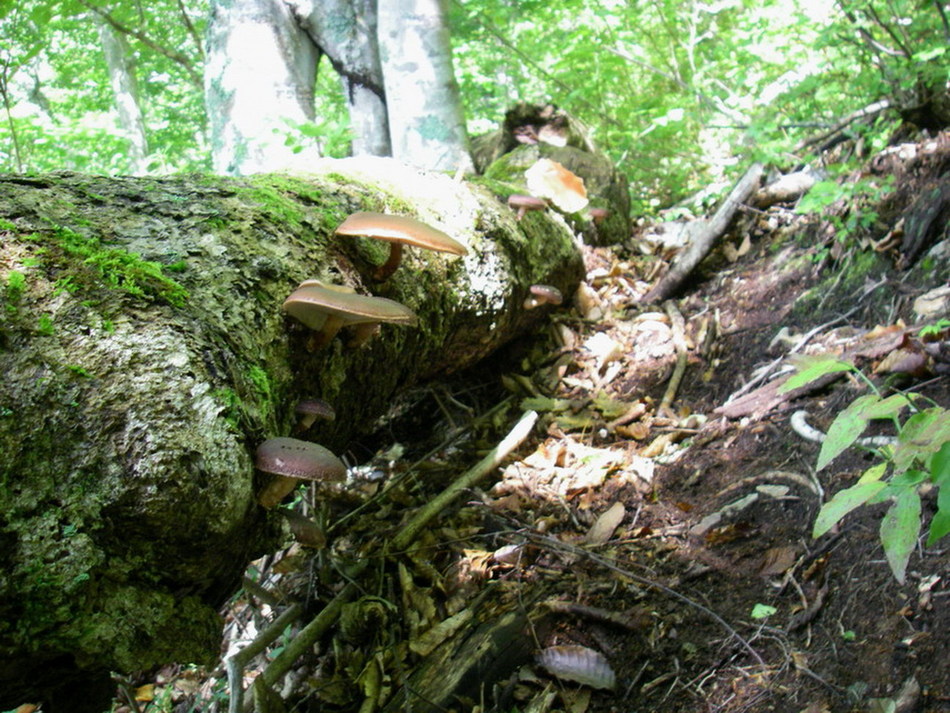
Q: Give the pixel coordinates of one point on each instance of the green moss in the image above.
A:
(269, 200)
(13, 292)
(841, 284)
(500, 188)
(88, 264)
(260, 380)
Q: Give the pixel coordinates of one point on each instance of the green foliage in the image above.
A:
(13, 292)
(679, 94)
(918, 458)
(859, 196)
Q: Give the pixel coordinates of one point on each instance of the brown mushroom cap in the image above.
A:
(525, 203)
(398, 230)
(325, 309)
(318, 408)
(543, 294)
(309, 410)
(303, 460)
(292, 460)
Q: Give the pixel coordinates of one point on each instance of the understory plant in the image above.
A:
(915, 461)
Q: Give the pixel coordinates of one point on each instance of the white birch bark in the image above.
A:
(125, 94)
(425, 114)
(345, 30)
(260, 70)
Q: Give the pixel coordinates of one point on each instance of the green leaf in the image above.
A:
(923, 434)
(846, 429)
(940, 525)
(889, 407)
(940, 465)
(899, 530)
(811, 369)
(848, 499)
(762, 611)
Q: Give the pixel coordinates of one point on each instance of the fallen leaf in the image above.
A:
(603, 528)
(777, 560)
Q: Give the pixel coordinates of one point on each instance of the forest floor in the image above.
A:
(668, 543)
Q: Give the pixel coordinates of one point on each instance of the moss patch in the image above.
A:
(83, 264)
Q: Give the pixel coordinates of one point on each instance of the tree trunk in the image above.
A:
(425, 110)
(145, 356)
(125, 93)
(345, 30)
(260, 70)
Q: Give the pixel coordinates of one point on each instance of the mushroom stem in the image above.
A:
(275, 491)
(362, 333)
(322, 338)
(382, 273)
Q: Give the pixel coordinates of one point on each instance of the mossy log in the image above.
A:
(145, 355)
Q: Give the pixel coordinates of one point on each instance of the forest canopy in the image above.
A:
(676, 93)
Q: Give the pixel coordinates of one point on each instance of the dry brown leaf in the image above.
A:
(777, 560)
(603, 528)
(903, 361)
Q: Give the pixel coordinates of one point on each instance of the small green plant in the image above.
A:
(917, 458)
(932, 330)
(13, 293)
(45, 324)
(861, 193)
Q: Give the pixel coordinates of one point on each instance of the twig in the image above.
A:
(411, 470)
(679, 341)
(430, 510)
(604, 562)
(305, 638)
(238, 661)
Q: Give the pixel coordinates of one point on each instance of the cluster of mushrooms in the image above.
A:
(325, 309)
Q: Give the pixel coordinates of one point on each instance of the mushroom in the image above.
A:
(598, 215)
(325, 309)
(398, 230)
(309, 410)
(549, 179)
(291, 460)
(525, 203)
(543, 295)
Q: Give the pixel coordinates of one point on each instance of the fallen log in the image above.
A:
(703, 234)
(145, 356)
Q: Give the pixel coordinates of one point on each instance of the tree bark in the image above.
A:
(425, 110)
(125, 94)
(260, 70)
(145, 356)
(345, 30)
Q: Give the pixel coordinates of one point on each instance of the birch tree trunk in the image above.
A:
(345, 30)
(125, 93)
(422, 96)
(260, 70)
